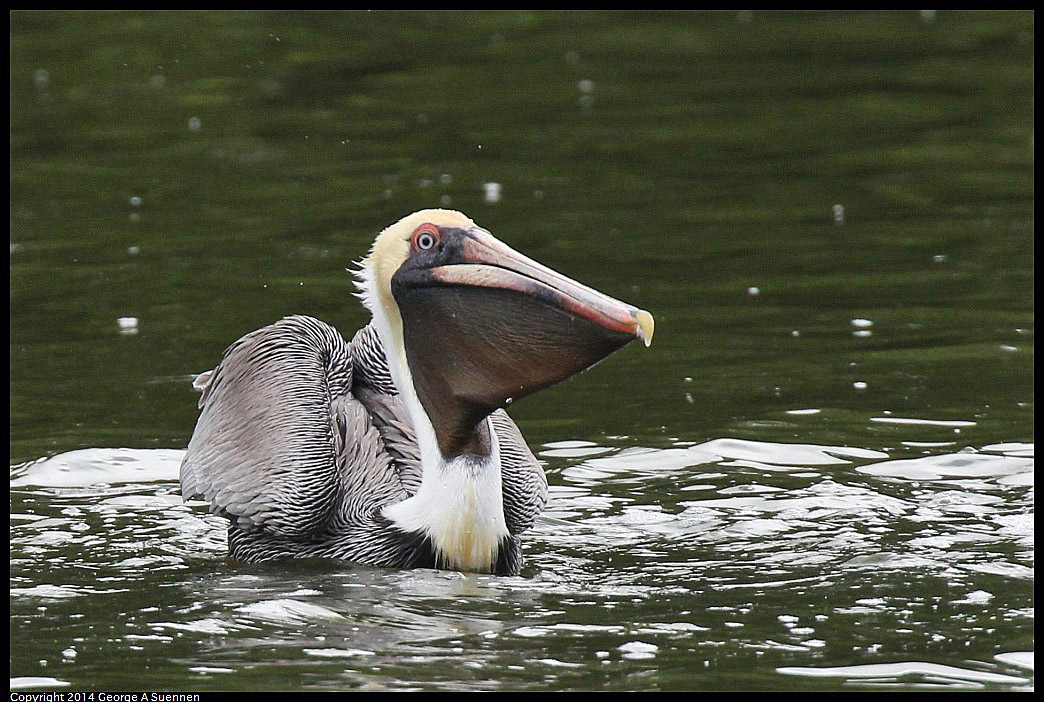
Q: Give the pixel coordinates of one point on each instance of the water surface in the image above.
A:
(818, 477)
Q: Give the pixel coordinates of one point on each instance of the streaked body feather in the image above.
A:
(304, 444)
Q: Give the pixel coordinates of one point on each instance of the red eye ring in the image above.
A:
(426, 237)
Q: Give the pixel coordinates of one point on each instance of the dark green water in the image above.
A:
(824, 211)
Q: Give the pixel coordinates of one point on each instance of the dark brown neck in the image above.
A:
(459, 426)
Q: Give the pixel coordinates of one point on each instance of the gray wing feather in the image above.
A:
(525, 485)
(373, 387)
(369, 478)
(398, 439)
(263, 451)
(371, 365)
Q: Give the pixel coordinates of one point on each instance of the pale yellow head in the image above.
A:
(390, 249)
(392, 246)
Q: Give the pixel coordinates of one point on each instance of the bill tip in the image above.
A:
(645, 326)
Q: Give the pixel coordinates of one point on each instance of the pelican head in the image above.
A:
(469, 324)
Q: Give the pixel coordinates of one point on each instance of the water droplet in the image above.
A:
(42, 78)
(271, 87)
(491, 192)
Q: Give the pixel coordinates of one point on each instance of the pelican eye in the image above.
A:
(425, 238)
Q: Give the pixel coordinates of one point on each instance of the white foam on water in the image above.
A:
(288, 611)
(925, 422)
(899, 670)
(951, 465)
(338, 652)
(784, 454)
(25, 682)
(1019, 659)
(93, 466)
(638, 650)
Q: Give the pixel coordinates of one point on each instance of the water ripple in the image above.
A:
(676, 555)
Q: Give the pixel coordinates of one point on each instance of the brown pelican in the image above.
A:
(394, 449)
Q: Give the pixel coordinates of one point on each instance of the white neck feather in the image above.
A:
(460, 507)
(460, 503)
(388, 323)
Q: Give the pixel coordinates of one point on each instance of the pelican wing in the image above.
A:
(372, 385)
(525, 485)
(279, 429)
